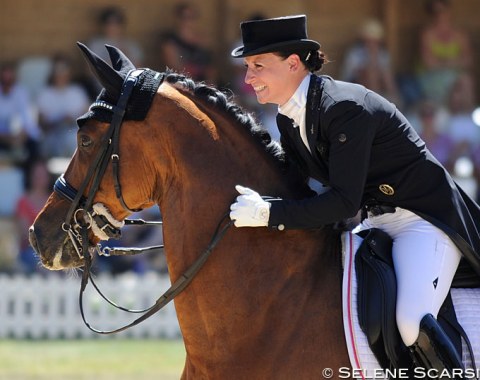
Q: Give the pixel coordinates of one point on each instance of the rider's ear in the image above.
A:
(293, 61)
(109, 78)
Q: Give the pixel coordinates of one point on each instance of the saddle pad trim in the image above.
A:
(361, 357)
(351, 341)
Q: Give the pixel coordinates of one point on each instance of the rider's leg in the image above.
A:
(425, 261)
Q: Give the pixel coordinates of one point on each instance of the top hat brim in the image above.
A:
(303, 44)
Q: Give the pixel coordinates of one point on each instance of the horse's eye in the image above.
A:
(85, 141)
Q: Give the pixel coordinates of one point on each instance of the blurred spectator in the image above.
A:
(367, 62)
(430, 129)
(445, 52)
(461, 127)
(33, 72)
(112, 24)
(38, 184)
(462, 94)
(8, 245)
(18, 130)
(59, 105)
(463, 174)
(183, 49)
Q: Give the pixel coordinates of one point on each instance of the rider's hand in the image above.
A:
(249, 209)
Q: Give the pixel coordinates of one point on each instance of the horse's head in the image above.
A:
(134, 152)
(107, 177)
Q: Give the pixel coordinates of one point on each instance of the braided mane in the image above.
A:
(220, 99)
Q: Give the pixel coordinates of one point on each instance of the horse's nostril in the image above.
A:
(32, 238)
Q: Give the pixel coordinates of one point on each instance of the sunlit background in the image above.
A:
(423, 58)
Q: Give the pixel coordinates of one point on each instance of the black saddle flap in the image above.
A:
(379, 244)
(376, 299)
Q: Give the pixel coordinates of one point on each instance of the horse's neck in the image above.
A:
(207, 170)
(211, 154)
(253, 271)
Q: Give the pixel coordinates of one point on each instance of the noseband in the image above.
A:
(80, 216)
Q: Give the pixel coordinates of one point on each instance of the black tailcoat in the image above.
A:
(365, 150)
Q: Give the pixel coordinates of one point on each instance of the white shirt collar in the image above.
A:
(294, 108)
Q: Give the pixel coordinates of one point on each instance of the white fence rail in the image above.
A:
(47, 307)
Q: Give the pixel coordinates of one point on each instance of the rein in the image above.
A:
(175, 289)
(83, 216)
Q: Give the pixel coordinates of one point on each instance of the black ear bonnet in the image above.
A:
(112, 79)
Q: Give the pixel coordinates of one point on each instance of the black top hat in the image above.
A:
(274, 34)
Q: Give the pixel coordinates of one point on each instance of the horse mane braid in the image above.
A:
(220, 99)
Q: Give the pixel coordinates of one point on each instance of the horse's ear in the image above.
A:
(110, 79)
(119, 60)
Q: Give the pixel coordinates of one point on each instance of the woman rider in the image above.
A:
(370, 158)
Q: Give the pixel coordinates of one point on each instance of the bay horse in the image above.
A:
(267, 304)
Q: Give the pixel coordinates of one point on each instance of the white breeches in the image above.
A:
(425, 261)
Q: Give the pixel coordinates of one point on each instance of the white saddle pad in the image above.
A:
(363, 362)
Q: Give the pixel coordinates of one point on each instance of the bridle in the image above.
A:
(80, 210)
(80, 216)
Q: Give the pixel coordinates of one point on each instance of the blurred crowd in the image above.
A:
(40, 100)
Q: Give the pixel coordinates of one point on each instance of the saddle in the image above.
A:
(376, 303)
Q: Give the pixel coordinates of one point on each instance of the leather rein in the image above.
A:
(83, 216)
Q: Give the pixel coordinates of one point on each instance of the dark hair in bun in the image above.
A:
(312, 59)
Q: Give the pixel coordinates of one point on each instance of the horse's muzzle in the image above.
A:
(62, 256)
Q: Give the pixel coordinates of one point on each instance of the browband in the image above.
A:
(146, 85)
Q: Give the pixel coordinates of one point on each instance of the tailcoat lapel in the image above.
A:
(314, 163)
(313, 111)
(318, 159)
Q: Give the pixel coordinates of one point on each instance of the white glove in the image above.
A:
(249, 209)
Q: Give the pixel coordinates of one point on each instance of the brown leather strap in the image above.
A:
(177, 287)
